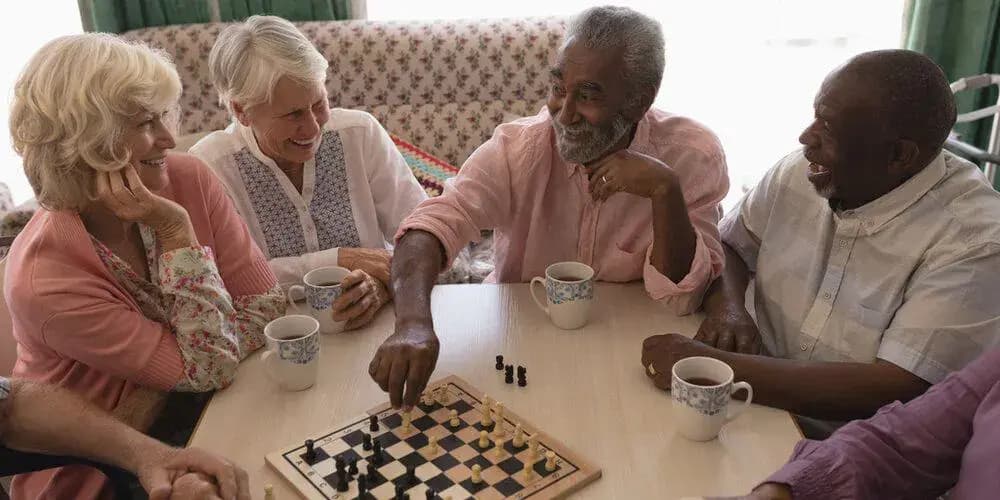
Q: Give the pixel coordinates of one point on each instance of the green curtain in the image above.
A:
(963, 37)
(117, 16)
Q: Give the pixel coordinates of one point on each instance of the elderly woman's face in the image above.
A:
(147, 140)
(288, 129)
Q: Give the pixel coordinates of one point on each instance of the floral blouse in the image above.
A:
(189, 296)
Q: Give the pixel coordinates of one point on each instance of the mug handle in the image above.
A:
(295, 290)
(267, 357)
(746, 404)
(531, 288)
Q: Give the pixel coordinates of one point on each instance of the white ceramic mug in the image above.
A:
(569, 292)
(322, 287)
(292, 354)
(701, 389)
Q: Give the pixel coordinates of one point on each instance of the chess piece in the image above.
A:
(430, 494)
(477, 471)
(533, 445)
(498, 445)
(508, 376)
(454, 422)
(433, 447)
(310, 452)
(484, 440)
(411, 474)
(522, 382)
(442, 397)
(373, 423)
(528, 471)
(499, 362)
(366, 441)
(487, 419)
(352, 468)
(550, 461)
(268, 492)
(370, 470)
(499, 416)
(362, 487)
(406, 422)
(377, 452)
(400, 492)
(342, 484)
(340, 463)
(521, 371)
(518, 436)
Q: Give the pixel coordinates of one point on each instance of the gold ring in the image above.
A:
(651, 370)
(604, 179)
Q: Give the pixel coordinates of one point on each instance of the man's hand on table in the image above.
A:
(177, 473)
(405, 361)
(662, 351)
(732, 331)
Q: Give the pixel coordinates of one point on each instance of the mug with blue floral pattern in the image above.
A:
(701, 389)
(321, 287)
(292, 354)
(569, 292)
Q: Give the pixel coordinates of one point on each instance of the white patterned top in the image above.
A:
(355, 192)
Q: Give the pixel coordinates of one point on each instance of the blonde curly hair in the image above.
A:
(72, 104)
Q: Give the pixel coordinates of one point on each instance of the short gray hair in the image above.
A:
(249, 58)
(640, 37)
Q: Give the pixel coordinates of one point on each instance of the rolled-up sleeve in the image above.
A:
(478, 198)
(705, 182)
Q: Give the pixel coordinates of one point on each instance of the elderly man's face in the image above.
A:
(846, 144)
(588, 103)
(289, 127)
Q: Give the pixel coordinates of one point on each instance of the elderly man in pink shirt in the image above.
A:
(598, 177)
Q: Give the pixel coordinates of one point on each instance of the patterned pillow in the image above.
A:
(429, 171)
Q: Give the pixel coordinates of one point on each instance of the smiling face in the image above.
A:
(289, 127)
(847, 144)
(588, 102)
(147, 140)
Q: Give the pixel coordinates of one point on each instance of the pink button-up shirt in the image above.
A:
(542, 212)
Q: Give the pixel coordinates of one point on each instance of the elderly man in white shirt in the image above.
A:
(874, 254)
(316, 186)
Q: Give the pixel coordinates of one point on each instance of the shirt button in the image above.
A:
(804, 347)
(843, 243)
(827, 295)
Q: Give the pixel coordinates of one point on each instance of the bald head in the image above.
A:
(913, 96)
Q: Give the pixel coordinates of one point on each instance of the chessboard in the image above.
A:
(437, 456)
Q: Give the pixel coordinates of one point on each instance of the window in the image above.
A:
(747, 69)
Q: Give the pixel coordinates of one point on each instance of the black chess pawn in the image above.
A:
(370, 471)
(342, 484)
(362, 487)
(430, 494)
(366, 441)
(521, 371)
(373, 423)
(310, 451)
(400, 492)
(377, 452)
(509, 374)
(522, 381)
(411, 476)
(499, 361)
(352, 468)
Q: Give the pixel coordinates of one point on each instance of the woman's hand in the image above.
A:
(363, 296)
(123, 193)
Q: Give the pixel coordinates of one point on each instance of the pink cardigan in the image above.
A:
(78, 328)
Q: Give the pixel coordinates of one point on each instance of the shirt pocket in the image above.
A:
(862, 333)
(621, 265)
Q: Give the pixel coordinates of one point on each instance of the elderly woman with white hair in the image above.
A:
(138, 274)
(317, 186)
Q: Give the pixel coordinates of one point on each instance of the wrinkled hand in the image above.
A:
(662, 351)
(162, 471)
(362, 298)
(405, 361)
(194, 486)
(374, 261)
(631, 172)
(730, 331)
(123, 193)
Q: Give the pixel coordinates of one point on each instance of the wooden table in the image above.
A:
(585, 387)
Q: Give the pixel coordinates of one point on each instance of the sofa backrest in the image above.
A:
(441, 85)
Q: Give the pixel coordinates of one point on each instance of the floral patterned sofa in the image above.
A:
(442, 86)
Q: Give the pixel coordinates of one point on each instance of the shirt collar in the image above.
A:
(639, 142)
(878, 213)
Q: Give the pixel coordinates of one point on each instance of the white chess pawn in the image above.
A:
(442, 395)
(550, 461)
(454, 422)
(484, 439)
(477, 471)
(499, 410)
(268, 492)
(518, 436)
(498, 444)
(433, 447)
(528, 471)
(406, 422)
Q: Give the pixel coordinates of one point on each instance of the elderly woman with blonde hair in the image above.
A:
(317, 186)
(138, 274)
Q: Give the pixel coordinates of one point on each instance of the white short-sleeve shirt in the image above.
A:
(912, 278)
(355, 192)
